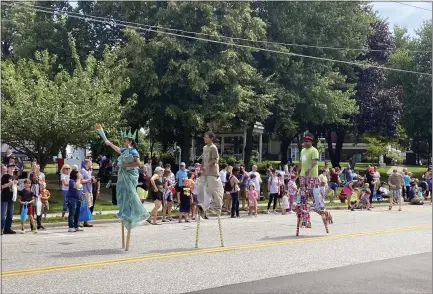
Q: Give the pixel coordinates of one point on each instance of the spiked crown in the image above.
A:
(127, 134)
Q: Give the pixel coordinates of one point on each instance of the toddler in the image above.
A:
(28, 198)
(45, 195)
(319, 197)
(365, 196)
(252, 199)
(291, 191)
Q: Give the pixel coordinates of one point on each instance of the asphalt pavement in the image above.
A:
(261, 251)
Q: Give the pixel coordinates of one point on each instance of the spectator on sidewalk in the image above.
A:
(7, 205)
(148, 166)
(27, 198)
(86, 180)
(181, 175)
(395, 182)
(45, 196)
(257, 180)
(96, 188)
(36, 181)
(64, 178)
(143, 183)
(74, 201)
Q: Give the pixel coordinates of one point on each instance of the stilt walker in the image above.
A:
(308, 180)
(131, 210)
(210, 188)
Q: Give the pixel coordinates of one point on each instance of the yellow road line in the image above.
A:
(49, 269)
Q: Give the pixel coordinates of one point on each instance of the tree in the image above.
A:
(416, 97)
(376, 147)
(306, 86)
(185, 85)
(44, 109)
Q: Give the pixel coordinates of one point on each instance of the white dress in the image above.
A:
(285, 202)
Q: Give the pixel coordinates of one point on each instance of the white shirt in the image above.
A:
(149, 168)
(274, 185)
(256, 181)
(42, 176)
(223, 176)
(65, 177)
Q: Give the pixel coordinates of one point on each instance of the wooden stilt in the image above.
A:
(198, 230)
(220, 230)
(325, 222)
(128, 238)
(123, 236)
(297, 225)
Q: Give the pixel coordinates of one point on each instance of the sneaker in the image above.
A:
(165, 221)
(275, 212)
(41, 228)
(78, 229)
(87, 225)
(267, 212)
(22, 231)
(35, 231)
(187, 220)
(205, 217)
(180, 220)
(399, 209)
(71, 230)
(390, 208)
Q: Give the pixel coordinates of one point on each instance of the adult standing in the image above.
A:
(64, 178)
(181, 175)
(74, 201)
(395, 182)
(234, 193)
(144, 183)
(244, 180)
(223, 174)
(210, 191)
(157, 193)
(348, 175)
(86, 180)
(7, 208)
(148, 166)
(273, 189)
(257, 181)
(8, 157)
(35, 187)
(96, 187)
(370, 180)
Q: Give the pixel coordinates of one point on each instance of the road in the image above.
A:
(372, 252)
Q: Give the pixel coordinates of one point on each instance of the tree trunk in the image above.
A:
(285, 144)
(248, 148)
(335, 155)
(186, 141)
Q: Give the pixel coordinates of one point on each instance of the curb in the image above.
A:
(116, 220)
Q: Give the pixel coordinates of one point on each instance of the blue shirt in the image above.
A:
(180, 175)
(348, 175)
(86, 175)
(406, 180)
(73, 192)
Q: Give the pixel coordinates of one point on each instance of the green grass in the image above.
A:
(56, 203)
(57, 219)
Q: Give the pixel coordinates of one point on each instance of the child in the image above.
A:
(319, 197)
(45, 195)
(27, 198)
(167, 197)
(365, 196)
(194, 197)
(252, 199)
(291, 190)
(185, 199)
(285, 203)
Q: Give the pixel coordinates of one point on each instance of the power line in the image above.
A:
(231, 38)
(236, 45)
(403, 3)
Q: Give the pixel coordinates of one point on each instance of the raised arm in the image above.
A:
(114, 147)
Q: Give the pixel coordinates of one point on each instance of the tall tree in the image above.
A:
(43, 110)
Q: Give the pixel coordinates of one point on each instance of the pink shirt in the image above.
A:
(252, 195)
(291, 187)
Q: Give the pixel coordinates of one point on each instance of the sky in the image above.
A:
(404, 15)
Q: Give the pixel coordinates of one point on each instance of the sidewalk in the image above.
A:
(261, 207)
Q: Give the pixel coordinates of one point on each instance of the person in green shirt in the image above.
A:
(309, 159)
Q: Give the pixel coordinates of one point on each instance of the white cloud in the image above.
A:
(398, 14)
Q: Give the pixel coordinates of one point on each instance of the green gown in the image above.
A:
(131, 210)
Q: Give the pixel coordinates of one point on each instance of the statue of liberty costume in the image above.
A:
(131, 210)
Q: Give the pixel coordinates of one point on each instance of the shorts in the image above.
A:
(29, 209)
(243, 193)
(179, 189)
(168, 196)
(396, 193)
(46, 205)
(347, 191)
(194, 198)
(156, 196)
(308, 182)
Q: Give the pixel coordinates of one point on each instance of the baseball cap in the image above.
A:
(158, 169)
(182, 164)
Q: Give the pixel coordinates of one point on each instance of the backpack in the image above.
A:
(228, 185)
